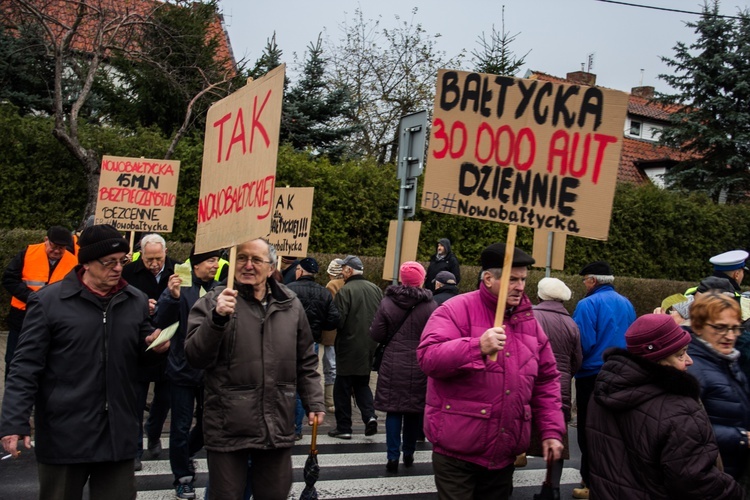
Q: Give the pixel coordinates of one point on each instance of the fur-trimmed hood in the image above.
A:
(627, 381)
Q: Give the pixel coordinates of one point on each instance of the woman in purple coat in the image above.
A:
(401, 387)
(565, 340)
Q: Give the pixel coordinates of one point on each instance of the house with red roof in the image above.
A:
(642, 159)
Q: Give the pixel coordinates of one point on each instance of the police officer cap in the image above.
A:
(729, 261)
(598, 268)
(493, 257)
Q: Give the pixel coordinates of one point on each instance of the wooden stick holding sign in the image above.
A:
(232, 265)
(502, 295)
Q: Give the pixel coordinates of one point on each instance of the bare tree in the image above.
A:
(81, 37)
(390, 72)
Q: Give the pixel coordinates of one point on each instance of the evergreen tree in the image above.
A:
(268, 60)
(711, 122)
(27, 74)
(495, 56)
(314, 115)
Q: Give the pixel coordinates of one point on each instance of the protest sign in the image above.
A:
(290, 226)
(239, 164)
(526, 152)
(409, 244)
(137, 194)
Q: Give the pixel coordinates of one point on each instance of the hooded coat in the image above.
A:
(401, 382)
(447, 262)
(479, 410)
(651, 436)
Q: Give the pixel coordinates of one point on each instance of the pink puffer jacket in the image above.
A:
(479, 410)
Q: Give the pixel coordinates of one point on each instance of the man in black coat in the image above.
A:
(150, 274)
(445, 287)
(322, 314)
(443, 260)
(75, 364)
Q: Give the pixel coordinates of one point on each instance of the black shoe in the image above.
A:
(154, 447)
(392, 466)
(335, 433)
(408, 460)
(297, 437)
(371, 428)
(137, 465)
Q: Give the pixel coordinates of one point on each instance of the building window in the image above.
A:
(635, 128)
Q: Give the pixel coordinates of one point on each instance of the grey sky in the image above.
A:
(559, 33)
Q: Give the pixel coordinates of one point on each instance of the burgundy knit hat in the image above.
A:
(412, 273)
(655, 337)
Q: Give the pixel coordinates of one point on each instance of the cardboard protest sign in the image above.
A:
(239, 164)
(290, 226)
(540, 247)
(527, 152)
(409, 244)
(137, 194)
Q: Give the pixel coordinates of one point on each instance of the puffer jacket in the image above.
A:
(253, 364)
(726, 397)
(448, 262)
(401, 382)
(357, 302)
(479, 410)
(650, 437)
(602, 318)
(77, 365)
(318, 303)
(565, 340)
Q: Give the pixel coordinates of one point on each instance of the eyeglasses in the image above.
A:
(109, 264)
(725, 329)
(255, 261)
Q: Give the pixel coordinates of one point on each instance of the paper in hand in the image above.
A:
(165, 335)
(183, 271)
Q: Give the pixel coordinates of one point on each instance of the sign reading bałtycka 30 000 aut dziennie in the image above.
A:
(526, 152)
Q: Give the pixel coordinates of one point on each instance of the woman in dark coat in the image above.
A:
(646, 425)
(565, 340)
(715, 319)
(401, 383)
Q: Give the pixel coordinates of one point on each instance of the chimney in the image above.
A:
(582, 78)
(645, 92)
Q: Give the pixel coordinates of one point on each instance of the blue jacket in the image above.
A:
(726, 396)
(602, 317)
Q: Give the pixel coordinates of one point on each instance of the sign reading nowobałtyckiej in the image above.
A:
(527, 152)
(290, 227)
(137, 194)
(239, 164)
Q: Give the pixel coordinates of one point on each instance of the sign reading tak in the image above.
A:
(527, 152)
(239, 164)
(137, 194)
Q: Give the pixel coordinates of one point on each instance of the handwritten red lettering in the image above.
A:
(237, 135)
(233, 199)
(256, 121)
(138, 167)
(220, 123)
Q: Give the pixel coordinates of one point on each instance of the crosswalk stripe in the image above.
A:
(397, 485)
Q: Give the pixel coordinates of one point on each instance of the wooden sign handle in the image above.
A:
(510, 245)
(232, 264)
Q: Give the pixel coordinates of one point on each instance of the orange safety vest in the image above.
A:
(35, 274)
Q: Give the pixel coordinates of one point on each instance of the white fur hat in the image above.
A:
(553, 289)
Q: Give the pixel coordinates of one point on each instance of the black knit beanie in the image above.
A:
(98, 241)
(197, 258)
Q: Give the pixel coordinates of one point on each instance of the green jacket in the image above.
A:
(357, 302)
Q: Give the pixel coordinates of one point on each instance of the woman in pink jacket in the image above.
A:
(478, 412)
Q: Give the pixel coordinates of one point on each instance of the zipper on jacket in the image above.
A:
(104, 360)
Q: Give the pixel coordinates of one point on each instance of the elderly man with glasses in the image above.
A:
(76, 364)
(150, 274)
(602, 316)
(256, 349)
